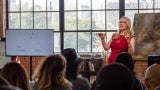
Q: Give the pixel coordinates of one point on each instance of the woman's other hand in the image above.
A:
(102, 35)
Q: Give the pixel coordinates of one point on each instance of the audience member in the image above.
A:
(79, 83)
(50, 74)
(126, 59)
(114, 76)
(152, 77)
(16, 75)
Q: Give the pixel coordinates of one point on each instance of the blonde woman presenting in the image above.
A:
(122, 41)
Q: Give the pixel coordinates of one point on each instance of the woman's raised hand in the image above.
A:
(101, 35)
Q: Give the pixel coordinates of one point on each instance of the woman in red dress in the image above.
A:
(122, 41)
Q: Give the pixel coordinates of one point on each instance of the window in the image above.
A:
(82, 19)
(141, 6)
(35, 14)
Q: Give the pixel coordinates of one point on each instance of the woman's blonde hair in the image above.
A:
(51, 73)
(128, 22)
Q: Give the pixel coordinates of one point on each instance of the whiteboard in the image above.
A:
(26, 42)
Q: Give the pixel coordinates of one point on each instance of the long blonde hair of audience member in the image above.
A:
(16, 75)
(51, 73)
(152, 77)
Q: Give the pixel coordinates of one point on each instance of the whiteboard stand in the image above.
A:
(31, 69)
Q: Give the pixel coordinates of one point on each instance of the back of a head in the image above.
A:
(152, 76)
(126, 59)
(72, 71)
(15, 74)
(114, 76)
(50, 68)
(50, 73)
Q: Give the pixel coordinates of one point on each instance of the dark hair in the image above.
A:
(16, 75)
(126, 59)
(72, 71)
(114, 76)
(3, 81)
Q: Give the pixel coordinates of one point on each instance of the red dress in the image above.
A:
(117, 46)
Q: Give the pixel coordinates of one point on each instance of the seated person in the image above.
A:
(115, 76)
(50, 74)
(152, 77)
(16, 75)
(79, 83)
(126, 59)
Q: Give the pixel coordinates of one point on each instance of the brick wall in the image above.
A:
(140, 67)
(25, 61)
